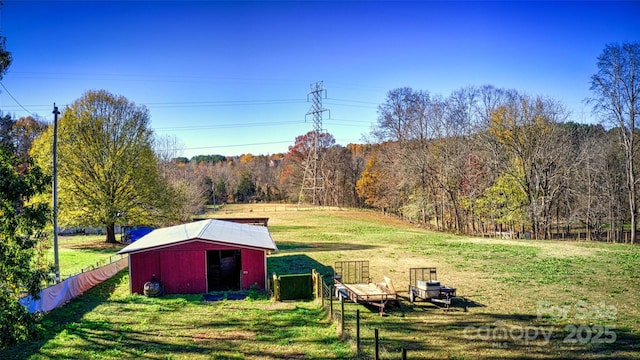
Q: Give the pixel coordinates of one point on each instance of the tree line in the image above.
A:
(481, 160)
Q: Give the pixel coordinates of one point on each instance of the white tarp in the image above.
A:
(59, 294)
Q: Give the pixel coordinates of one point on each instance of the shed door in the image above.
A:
(179, 278)
(223, 270)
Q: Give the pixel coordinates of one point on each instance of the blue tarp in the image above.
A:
(133, 233)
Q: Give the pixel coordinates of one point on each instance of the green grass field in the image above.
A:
(524, 299)
(81, 251)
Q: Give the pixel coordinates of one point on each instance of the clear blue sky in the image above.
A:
(233, 77)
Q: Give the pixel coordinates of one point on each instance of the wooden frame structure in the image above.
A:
(352, 281)
(424, 284)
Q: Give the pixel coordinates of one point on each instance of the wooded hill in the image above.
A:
(481, 161)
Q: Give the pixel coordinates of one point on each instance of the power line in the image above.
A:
(351, 121)
(249, 144)
(348, 125)
(39, 75)
(235, 145)
(312, 180)
(353, 105)
(16, 100)
(354, 101)
(336, 122)
(225, 126)
(222, 103)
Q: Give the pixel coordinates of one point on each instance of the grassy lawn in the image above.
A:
(109, 323)
(524, 299)
(81, 251)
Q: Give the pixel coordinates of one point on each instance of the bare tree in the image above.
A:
(166, 149)
(396, 116)
(183, 178)
(527, 131)
(616, 89)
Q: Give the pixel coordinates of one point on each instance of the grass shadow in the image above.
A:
(153, 328)
(504, 336)
(458, 304)
(54, 322)
(296, 264)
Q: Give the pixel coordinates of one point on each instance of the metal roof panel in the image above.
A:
(220, 231)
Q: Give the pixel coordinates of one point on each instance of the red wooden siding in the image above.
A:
(183, 272)
(141, 267)
(182, 268)
(253, 268)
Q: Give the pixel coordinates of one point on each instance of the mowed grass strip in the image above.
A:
(523, 299)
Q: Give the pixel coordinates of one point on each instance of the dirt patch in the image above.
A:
(224, 335)
(89, 242)
(280, 305)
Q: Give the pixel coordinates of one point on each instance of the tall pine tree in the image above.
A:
(21, 224)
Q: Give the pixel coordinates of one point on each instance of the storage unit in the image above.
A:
(202, 256)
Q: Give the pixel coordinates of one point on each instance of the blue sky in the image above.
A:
(233, 77)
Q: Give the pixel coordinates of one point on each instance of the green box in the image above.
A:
(296, 287)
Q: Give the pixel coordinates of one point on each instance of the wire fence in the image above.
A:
(349, 326)
(51, 280)
(60, 293)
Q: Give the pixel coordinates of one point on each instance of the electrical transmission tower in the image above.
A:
(312, 181)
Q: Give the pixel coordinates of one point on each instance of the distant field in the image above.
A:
(81, 251)
(525, 299)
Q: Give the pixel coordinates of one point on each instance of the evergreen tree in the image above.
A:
(21, 225)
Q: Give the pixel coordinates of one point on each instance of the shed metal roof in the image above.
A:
(218, 231)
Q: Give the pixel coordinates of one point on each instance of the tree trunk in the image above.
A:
(534, 220)
(631, 186)
(111, 234)
(633, 208)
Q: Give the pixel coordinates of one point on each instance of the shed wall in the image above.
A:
(253, 268)
(141, 267)
(183, 272)
(182, 268)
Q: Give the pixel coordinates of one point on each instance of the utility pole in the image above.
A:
(312, 181)
(56, 258)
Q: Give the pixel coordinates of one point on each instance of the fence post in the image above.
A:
(331, 302)
(404, 354)
(357, 333)
(319, 283)
(377, 345)
(276, 290)
(342, 316)
(314, 284)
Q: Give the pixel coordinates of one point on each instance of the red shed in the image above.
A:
(201, 256)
